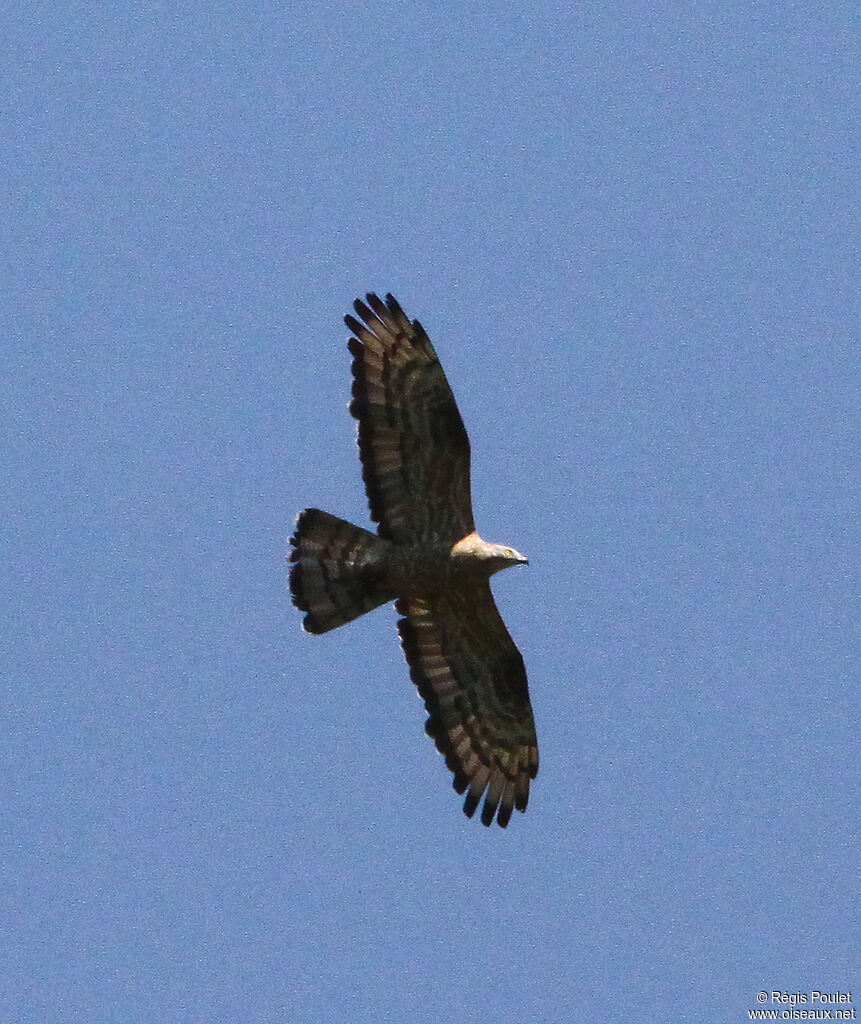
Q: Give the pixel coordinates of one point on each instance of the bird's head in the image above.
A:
(476, 555)
(501, 557)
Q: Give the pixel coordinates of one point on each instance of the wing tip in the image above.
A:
(500, 801)
(389, 314)
(353, 324)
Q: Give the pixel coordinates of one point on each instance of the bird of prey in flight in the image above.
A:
(426, 557)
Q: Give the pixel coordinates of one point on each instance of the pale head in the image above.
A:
(501, 556)
(492, 557)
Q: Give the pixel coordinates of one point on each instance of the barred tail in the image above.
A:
(338, 570)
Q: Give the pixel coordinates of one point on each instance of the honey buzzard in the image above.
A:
(428, 559)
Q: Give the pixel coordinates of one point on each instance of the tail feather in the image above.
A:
(338, 570)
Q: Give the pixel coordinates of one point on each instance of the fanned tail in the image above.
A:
(338, 570)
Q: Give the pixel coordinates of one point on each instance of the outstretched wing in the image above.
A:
(472, 680)
(412, 442)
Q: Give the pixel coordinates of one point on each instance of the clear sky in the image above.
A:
(631, 230)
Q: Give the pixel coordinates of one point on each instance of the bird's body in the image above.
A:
(430, 569)
(427, 557)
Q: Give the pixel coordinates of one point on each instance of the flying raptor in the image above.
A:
(426, 557)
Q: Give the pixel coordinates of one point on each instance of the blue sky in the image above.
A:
(632, 233)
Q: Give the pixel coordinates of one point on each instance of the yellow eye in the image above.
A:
(508, 553)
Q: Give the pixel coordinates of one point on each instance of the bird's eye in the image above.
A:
(509, 553)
